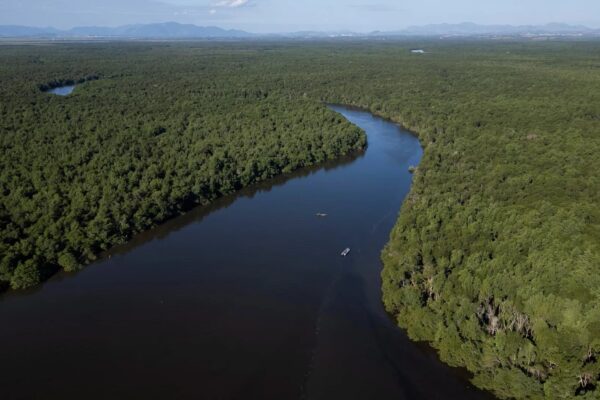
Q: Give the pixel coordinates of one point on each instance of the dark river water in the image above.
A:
(246, 299)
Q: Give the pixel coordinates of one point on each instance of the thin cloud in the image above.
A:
(231, 3)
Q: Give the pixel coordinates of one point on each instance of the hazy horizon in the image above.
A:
(263, 16)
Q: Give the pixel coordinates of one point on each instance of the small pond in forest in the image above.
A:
(62, 90)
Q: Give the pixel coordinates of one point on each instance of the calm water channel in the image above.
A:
(247, 299)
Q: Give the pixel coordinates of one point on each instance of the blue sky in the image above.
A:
(294, 15)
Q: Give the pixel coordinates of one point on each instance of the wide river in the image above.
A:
(246, 299)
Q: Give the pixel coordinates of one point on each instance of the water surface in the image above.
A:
(62, 90)
(246, 299)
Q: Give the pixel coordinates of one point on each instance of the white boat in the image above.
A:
(321, 214)
(346, 252)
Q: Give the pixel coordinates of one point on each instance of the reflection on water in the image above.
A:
(62, 90)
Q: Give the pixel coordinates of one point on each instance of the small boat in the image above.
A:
(322, 215)
(346, 252)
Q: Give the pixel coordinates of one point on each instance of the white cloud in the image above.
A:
(231, 3)
(212, 11)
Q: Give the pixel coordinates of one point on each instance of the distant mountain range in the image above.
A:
(168, 30)
(173, 30)
(469, 29)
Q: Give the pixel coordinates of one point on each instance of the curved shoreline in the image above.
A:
(226, 186)
(255, 289)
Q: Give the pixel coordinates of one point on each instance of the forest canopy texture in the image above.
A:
(148, 133)
(496, 253)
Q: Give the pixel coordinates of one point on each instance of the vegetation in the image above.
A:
(44, 87)
(147, 141)
(495, 256)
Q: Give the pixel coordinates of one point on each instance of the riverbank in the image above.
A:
(494, 255)
(107, 179)
(252, 295)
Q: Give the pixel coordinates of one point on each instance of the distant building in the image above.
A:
(417, 51)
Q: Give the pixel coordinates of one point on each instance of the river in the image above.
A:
(246, 299)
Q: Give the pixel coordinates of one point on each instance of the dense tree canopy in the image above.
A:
(160, 131)
(495, 256)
